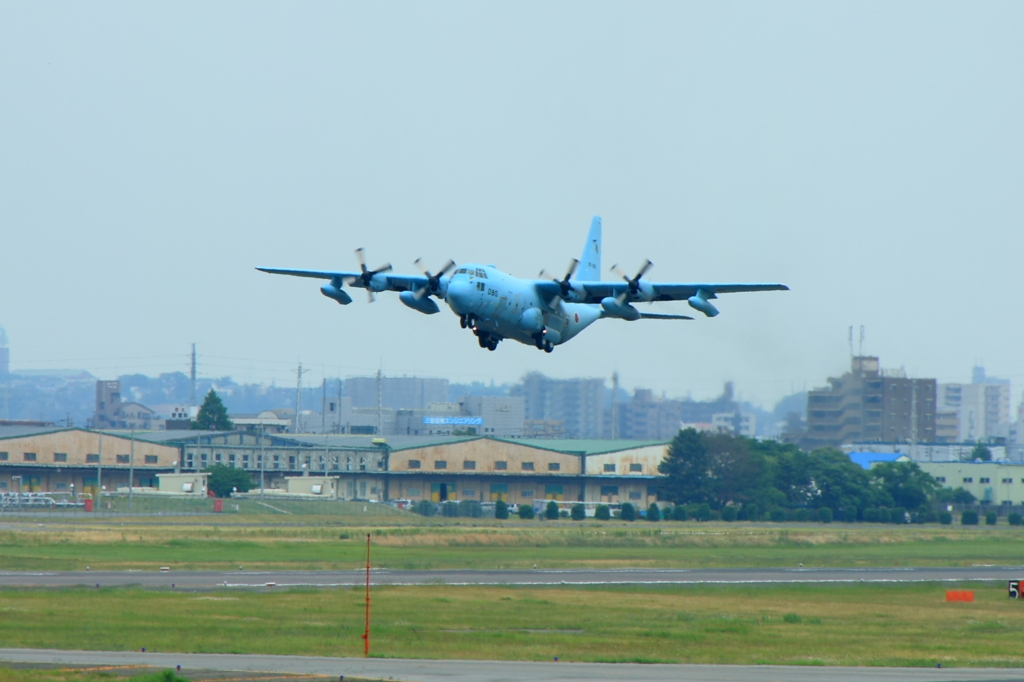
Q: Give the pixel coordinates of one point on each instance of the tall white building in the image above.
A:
(982, 407)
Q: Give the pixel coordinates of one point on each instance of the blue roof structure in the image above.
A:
(866, 459)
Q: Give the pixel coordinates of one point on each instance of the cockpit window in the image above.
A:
(461, 272)
(481, 274)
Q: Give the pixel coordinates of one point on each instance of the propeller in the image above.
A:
(366, 275)
(634, 283)
(563, 284)
(433, 281)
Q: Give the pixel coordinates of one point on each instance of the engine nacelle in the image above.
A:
(613, 308)
(339, 295)
(532, 320)
(699, 301)
(425, 305)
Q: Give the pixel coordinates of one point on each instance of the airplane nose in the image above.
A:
(459, 296)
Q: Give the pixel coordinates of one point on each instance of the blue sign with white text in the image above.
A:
(454, 421)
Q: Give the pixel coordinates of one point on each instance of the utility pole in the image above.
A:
(192, 394)
(298, 394)
(380, 425)
(337, 422)
(99, 471)
(615, 405)
(913, 419)
(263, 464)
(131, 472)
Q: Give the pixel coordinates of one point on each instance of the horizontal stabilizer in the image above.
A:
(658, 316)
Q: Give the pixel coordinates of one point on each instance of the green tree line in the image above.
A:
(749, 479)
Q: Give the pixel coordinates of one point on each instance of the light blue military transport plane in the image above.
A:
(543, 312)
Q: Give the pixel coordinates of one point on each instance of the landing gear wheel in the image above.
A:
(548, 347)
(463, 321)
(483, 340)
(492, 344)
(471, 320)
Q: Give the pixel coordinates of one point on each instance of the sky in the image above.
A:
(868, 154)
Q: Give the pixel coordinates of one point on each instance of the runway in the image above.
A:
(410, 670)
(242, 579)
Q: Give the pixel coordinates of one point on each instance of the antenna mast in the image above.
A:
(298, 394)
(192, 394)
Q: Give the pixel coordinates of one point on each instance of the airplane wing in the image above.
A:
(387, 282)
(659, 316)
(317, 274)
(669, 291)
(594, 292)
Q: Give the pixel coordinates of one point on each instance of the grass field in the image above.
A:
(146, 545)
(866, 624)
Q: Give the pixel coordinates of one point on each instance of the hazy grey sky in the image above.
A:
(870, 155)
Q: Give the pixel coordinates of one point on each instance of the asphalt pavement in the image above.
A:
(411, 670)
(242, 579)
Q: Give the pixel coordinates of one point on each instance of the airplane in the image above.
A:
(544, 312)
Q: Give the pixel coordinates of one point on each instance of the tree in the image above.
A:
(686, 468)
(500, 510)
(579, 512)
(526, 511)
(904, 483)
(839, 484)
(551, 511)
(981, 452)
(602, 513)
(628, 512)
(954, 496)
(224, 479)
(213, 416)
(653, 513)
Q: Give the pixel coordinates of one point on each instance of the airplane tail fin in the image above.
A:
(590, 261)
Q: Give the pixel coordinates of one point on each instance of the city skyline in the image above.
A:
(867, 155)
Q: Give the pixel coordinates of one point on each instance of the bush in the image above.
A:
(969, 518)
(802, 515)
(424, 508)
(1015, 519)
(945, 518)
(777, 515)
(450, 509)
(471, 509)
(602, 513)
(749, 512)
(898, 515)
(526, 511)
(579, 512)
(792, 618)
(990, 518)
(825, 515)
(703, 512)
(563, 513)
(628, 513)
(679, 513)
(729, 513)
(500, 510)
(551, 511)
(653, 513)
